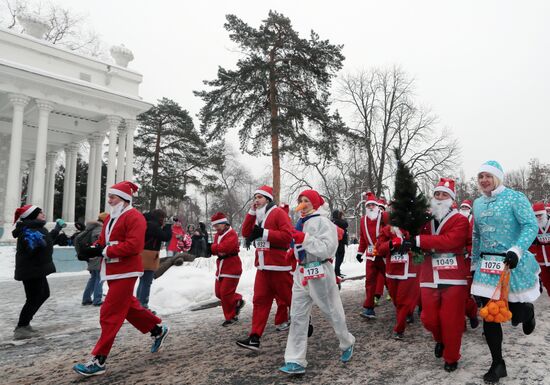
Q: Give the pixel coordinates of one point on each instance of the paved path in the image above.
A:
(200, 351)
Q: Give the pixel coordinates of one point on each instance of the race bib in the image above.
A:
(370, 250)
(261, 245)
(314, 270)
(445, 261)
(399, 258)
(495, 265)
(544, 238)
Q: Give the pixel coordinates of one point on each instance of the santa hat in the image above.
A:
(370, 198)
(382, 203)
(548, 206)
(218, 218)
(314, 197)
(454, 205)
(124, 190)
(539, 208)
(285, 207)
(25, 212)
(446, 185)
(266, 191)
(467, 203)
(493, 168)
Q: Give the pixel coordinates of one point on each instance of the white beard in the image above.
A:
(466, 213)
(440, 208)
(116, 210)
(260, 214)
(373, 214)
(543, 221)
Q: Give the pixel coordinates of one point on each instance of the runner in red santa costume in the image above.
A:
(269, 227)
(370, 225)
(228, 267)
(401, 275)
(471, 305)
(120, 244)
(443, 274)
(541, 245)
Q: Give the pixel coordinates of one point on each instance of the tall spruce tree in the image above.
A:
(409, 207)
(278, 95)
(170, 153)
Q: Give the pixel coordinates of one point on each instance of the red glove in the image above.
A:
(298, 236)
(396, 242)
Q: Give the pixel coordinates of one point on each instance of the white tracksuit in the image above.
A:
(320, 244)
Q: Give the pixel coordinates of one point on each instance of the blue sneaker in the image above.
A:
(292, 368)
(90, 368)
(346, 355)
(158, 340)
(368, 313)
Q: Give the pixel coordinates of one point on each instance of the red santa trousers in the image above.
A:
(268, 285)
(120, 304)
(226, 290)
(443, 315)
(404, 294)
(471, 305)
(380, 283)
(374, 270)
(281, 316)
(545, 277)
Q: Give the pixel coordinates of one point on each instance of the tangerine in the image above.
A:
(501, 303)
(503, 311)
(483, 312)
(499, 318)
(489, 318)
(493, 308)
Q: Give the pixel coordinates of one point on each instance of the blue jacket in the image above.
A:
(502, 222)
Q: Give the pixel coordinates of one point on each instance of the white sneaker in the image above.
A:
(282, 327)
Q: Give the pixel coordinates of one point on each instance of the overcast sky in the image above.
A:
(481, 66)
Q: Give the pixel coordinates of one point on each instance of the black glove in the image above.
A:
(359, 257)
(92, 251)
(511, 259)
(247, 244)
(257, 232)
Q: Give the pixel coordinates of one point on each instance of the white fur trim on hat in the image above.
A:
(120, 193)
(540, 212)
(31, 209)
(447, 190)
(221, 220)
(466, 204)
(264, 193)
(492, 170)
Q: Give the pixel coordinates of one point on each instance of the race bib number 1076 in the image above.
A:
(495, 266)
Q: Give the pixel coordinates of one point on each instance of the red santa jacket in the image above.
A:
(272, 247)
(226, 245)
(369, 231)
(444, 248)
(541, 248)
(123, 240)
(396, 267)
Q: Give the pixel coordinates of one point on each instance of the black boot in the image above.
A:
(438, 351)
(529, 326)
(450, 367)
(496, 372)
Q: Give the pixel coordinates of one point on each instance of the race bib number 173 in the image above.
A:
(314, 270)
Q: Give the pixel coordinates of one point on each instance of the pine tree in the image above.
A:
(409, 207)
(279, 93)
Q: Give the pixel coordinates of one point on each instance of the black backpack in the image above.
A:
(82, 240)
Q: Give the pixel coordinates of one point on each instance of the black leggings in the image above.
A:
(37, 292)
(340, 252)
(521, 312)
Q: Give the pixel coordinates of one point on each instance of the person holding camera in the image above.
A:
(180, 240)
(85, 239)
(33, 262)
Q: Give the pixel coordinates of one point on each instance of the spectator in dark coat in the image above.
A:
(33, 263)
(338, 220)
(156, 233)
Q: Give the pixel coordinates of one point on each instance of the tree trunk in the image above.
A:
(275, 157)
(154, 181)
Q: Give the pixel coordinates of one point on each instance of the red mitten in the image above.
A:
(396, 242)
(298, 236)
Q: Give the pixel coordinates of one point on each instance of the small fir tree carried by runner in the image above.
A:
(409, 207)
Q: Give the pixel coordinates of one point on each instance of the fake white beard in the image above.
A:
(260, 214)
(373, 213)
(440, 208)
(116, 210)
(543, 221)
(466, 212)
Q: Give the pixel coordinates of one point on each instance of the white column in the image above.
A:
(120, 162)
(30, 182)
(90, 181)
(131, 125)
(51, 157)
(44, 109)
(13, 182)
(66, 178)
(73, 149)
(114, 122)
(96, 194)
